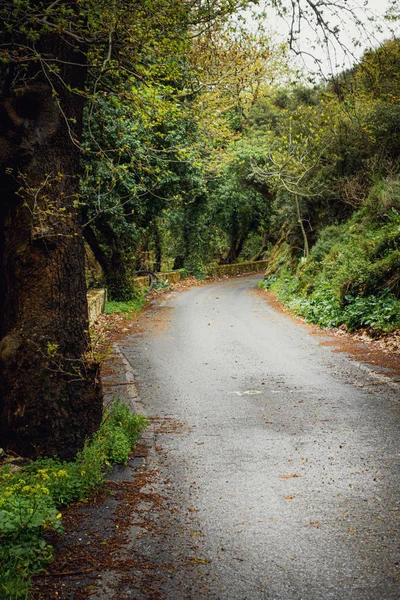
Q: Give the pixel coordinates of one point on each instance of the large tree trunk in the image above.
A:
(261, 253)
(234, 251)
(178, 263)
(236, 241)
(95, 247)
(115, 264)
(157, 249)
(50, 399)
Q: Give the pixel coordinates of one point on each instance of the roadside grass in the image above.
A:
(125, 307)
(32, 497)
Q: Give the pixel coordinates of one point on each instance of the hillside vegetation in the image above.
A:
(352, 275)
(330, 158)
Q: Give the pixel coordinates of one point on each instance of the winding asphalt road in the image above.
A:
(281, 456)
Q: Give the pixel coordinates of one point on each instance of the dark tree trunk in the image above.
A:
(115, 263)
(240, 245)
(236, 241)
(50, 398)
(178, 263)
(95, 247)
(191, 232)
(230, 258)
(235, 249)
(157, 248)
(260, 254)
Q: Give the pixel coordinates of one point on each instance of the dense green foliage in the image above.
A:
(143, 168)
(352, 276)
(287, 165)
(155, 193)
(332, 160)
(31, 497)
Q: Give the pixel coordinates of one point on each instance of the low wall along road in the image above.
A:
(96, 303)
(97, 298)
(237, 269)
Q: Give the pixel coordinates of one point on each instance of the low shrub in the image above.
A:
(31, 497)
(196, 267)
(321, 308)
(266, 283)
(199, 272)
(381, 311)
(161, 284)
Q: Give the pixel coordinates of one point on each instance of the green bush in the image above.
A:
(383, 198)
(199, 272)
(321, 308)
(379, 312)
(32, 496)
(266, 283)
(329, 237)
(161, 284)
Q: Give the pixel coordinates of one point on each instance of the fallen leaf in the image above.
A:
(288, 497)
(289, 476)
(316, 524)
(201, 561)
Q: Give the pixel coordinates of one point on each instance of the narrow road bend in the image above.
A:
(285, 452)
(269, 470)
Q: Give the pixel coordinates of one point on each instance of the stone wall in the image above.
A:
(96, 303)
(171, 277)
(237, 269)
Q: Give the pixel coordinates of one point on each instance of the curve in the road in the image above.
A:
(286, 452)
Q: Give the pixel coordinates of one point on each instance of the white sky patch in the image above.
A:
(323, 52)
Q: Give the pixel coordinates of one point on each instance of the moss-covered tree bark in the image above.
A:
(50, 398)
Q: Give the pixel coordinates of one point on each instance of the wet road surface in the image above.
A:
(277, 458)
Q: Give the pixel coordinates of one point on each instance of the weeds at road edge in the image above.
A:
(125, 307)
(31, 497)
